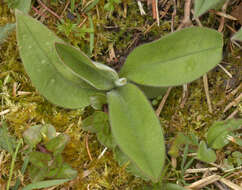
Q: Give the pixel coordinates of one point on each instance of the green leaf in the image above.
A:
(32, 136)
(66, 172)
(51, 78)
(98, 123)
(49, 131)
(23, 6)
(96, 74)
(57, 144)
(37, 174)
(238, 35)
(182, 139)
(35, 134)
(219, 131)
(98, 101)
(238, 141)
(175, 59)
(95, 122)
(130, 167)
(7, 142)
(90, 6)
(105, 136)
(172, 186)
(5, 30)
(152, 92)
(45, 184)
(205, 154)
(136, 129)
(39, 159)
(202, 6)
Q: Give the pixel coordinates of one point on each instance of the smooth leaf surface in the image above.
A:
(45, 184)
(23, 6)
(96, 74)
(175, 59)
(152, 92)
(202, 6)
(205, 154)
(48, 75)
(136, 129)
(238, 35)
(217, 135)
(130, 167)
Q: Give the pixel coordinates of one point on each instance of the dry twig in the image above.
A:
(230, 184)
(66, 6)
(222, 21)
(204, 182)
(184, 95)
(4, 112)
(233, 103)
(205, 82)
(201, 170)
(141, 9)
(163, 101)
(87, 147)
(48, 9)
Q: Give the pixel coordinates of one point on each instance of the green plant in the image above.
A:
(43, 153)
(202, 6)
(109, 6)
(20, 5)
(67, 27)
(218, 136)
(238, 35)
(68, 78)
(45, 148)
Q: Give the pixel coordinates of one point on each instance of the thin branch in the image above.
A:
(233, 103)
(201, 170)
(205, 82)
(222, 21)
(163, 101)
(204, 182)
(141, 9)
(48, 9)
(226, 71)
(4, 112)
(184, 95)
(87, 147)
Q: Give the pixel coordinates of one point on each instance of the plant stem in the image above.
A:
(13, 162)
